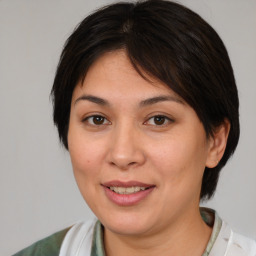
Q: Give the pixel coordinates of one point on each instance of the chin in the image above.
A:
(127, 224)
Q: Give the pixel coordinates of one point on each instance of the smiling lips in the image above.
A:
(127, 193)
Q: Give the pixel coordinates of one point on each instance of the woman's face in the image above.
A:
(138, 150)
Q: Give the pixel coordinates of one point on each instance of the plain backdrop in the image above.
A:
(38, 193)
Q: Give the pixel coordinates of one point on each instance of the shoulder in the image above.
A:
(49, 246)
(79, 239)
(229, 243)
(242, 245)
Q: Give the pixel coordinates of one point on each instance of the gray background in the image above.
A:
(38, 193)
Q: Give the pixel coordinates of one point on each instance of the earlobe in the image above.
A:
(217, 144)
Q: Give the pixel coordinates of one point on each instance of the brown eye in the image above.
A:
(159, 120)
(96, 120)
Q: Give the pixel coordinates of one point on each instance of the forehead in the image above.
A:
(113, 75)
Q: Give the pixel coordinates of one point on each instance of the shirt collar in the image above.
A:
(209, 216)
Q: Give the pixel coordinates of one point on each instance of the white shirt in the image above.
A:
(85, 237)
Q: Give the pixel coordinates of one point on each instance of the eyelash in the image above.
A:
(93, 117)
(103, 120)
(166, 119)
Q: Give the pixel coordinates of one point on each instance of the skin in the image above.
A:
(127, 143)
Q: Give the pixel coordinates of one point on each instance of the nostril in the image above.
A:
(123, 166)
(125, 158)
(132, 163)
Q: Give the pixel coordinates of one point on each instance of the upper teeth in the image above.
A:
(129, 190)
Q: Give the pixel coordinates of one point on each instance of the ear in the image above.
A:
(217, 144)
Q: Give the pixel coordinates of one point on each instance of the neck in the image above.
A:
(189, 234)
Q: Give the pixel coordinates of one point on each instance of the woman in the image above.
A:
(145, 101)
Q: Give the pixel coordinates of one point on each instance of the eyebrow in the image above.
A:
(93, 99)
(158, 99)
(144, 103)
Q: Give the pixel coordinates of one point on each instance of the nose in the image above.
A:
(126, 149)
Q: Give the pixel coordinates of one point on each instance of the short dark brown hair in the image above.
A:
(167, 41)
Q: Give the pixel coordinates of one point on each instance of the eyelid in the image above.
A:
(168, 119)
(86, 118)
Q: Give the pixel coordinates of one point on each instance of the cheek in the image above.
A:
(180, 173)
(170, 154)
(180, 158)
(86, 155)
(86, 158)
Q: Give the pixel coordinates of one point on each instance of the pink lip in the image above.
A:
(126, 184)
(124, 199)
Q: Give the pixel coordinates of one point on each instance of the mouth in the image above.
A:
(127, 193)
